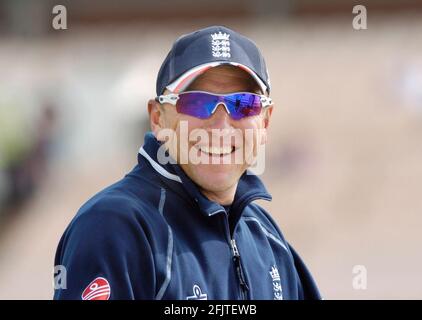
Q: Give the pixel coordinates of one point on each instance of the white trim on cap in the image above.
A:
(175, 85)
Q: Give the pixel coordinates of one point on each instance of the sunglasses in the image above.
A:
(202, 104)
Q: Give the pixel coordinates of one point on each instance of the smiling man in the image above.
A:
(182, 224)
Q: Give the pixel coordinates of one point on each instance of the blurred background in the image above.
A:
(344, 158)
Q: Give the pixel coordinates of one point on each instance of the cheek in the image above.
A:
(254, 134)
(181, 124)
(252, 122)
(251, 126)
(185, 124)
(171, 119)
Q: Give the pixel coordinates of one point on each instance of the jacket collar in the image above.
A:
(249, 187)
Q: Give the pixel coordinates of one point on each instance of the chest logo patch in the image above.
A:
(197, 294)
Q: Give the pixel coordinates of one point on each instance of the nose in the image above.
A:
(220, 118)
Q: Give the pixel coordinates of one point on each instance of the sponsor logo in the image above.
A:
(98, 289)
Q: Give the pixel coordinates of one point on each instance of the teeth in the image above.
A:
(216, 150)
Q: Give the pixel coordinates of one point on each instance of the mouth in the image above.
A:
(217, 151)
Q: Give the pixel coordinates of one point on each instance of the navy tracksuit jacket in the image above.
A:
(153, 235)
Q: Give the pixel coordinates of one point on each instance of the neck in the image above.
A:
(224, 197)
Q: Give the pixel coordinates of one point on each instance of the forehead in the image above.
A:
(225, 79)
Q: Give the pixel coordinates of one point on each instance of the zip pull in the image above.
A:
(234, 248)
(238, 265)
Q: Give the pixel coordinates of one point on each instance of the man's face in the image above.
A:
(227, 151)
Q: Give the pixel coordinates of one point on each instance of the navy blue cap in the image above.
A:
(194, 53)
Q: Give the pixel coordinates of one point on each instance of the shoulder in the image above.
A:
(120, 214)
(123, 200)
(115, 235)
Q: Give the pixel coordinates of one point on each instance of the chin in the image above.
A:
(216, 177)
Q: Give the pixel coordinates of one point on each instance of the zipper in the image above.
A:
(239, 271)
(234, 252)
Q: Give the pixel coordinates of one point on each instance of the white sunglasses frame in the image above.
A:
(172, 98)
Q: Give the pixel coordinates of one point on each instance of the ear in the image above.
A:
(266, 123)
(155, 116)
(267, 116)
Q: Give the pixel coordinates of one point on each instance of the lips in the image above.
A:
(216, 151)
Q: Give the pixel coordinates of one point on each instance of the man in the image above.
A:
(182, 224)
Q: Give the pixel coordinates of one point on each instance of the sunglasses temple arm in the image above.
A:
(168, 98)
